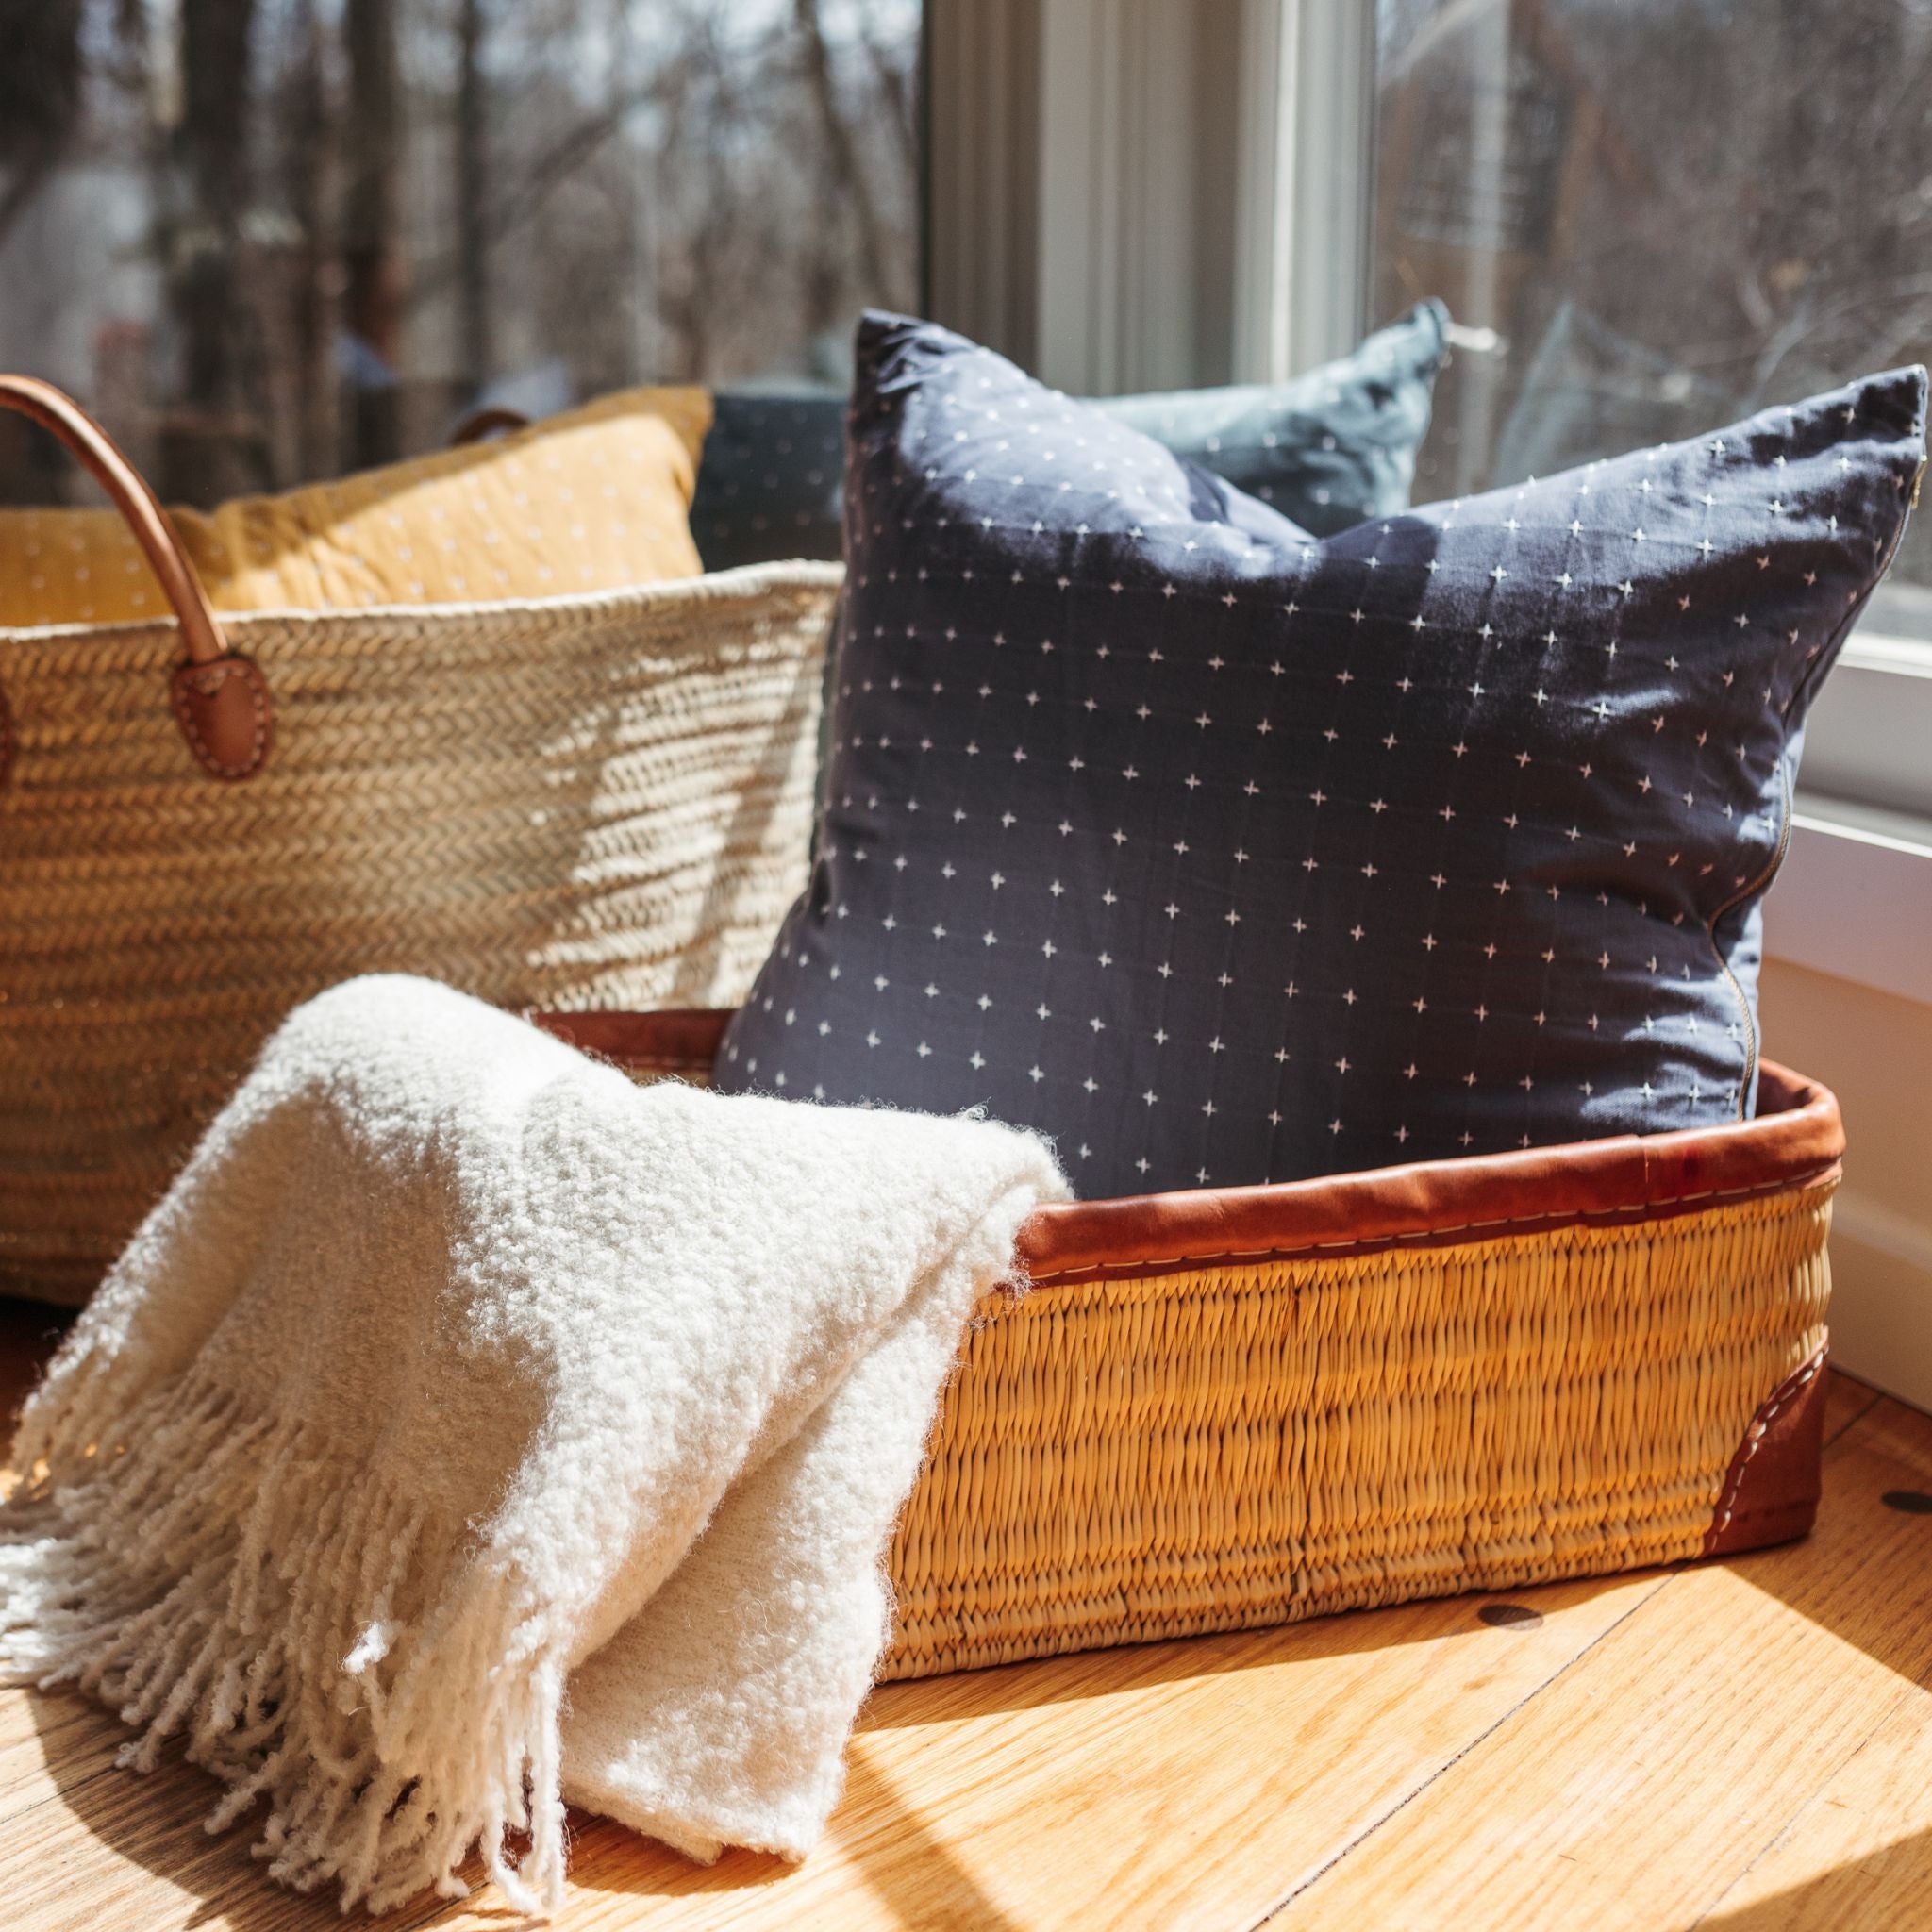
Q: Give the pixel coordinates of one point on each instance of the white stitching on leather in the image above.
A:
(1761, 1423)
(258, 698)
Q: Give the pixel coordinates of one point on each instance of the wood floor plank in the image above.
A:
(122, 1849)
(1860, 1852)
(1903, 1434)
(1177, 1783)
(1639, 1785)
(49, 1743)
(101, 1847)
(1845, 1401)
(1175, 1776)
(1406, 1767)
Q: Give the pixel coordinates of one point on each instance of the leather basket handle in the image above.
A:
(219, 697)
(496, 419)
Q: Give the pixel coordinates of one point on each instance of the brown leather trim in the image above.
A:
(58, 414)
(496, 419)
(1796, 1139)
(1769, 1493)
(679, 1040)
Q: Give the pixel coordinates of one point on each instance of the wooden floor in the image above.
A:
(1739, 1746)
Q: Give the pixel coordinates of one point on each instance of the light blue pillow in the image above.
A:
(1326, 450)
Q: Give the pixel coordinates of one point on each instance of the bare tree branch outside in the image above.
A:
(1665, 215)
(269, 241)
(273, 240)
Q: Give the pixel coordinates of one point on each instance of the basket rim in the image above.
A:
(743, 582)
(1794, 1143)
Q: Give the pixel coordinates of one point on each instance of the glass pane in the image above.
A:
(274, 240)
(1660, 214)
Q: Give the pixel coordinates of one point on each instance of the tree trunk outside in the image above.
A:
(372, 210)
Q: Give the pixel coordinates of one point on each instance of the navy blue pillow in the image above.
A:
(768, 477)
(1326, 449)
(1224, 854)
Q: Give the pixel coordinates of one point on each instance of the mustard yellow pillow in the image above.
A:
(592, 500)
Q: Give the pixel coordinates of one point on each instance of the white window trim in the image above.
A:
(1870, 734)
(1854, 896)
(1065, 188)
(1304, 202)
(1093, 211)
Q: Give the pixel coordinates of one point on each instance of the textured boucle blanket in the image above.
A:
(469, 1429)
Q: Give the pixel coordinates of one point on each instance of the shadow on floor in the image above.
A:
(1134, 1667)
(1885, 1891)
(156, 1823)
(875, 1834)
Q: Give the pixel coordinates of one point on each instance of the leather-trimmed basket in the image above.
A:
(1219, 1409)
(582, 801)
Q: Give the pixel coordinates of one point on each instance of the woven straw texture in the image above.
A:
(1119, 1462)
(571, 803)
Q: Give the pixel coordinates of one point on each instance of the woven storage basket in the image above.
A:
(579, 802)
(1227, 1409)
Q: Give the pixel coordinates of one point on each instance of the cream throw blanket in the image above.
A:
(469, 1429)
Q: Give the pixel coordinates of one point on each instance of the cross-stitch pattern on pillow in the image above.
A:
(1224, 854)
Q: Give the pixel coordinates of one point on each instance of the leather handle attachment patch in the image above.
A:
(1769, 1493)
(222, 709)
(220, 698)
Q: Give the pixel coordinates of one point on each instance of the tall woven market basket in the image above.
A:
(1217, 1409)
(578, 800)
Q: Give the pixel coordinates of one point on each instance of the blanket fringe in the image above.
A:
(321, 1645)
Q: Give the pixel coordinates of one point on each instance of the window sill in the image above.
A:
(1867, 731)
(1854, 896)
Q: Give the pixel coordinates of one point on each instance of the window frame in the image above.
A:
(1094, 211)
(1869, 741)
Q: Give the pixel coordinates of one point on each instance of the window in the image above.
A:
(1653, 216)
(274, 240)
